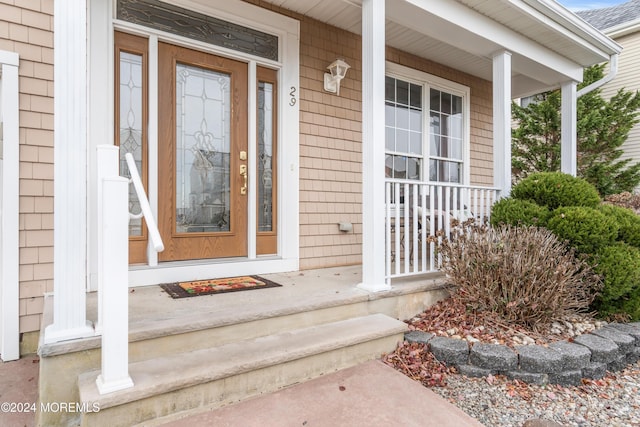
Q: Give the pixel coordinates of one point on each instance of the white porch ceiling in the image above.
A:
(411, 27)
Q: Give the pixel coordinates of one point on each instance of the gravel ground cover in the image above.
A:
(613, 401)
(495, 401)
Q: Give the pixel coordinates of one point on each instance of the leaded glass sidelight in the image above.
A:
(265, 156)
(131, 125)
(203, 145)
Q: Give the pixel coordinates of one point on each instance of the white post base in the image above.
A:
(114, 385)
(374, 287)
(52, 335)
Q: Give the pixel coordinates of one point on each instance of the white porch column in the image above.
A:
(502, 122)
(9, 202)
(70, 180)
(569, 144)
(373, 74)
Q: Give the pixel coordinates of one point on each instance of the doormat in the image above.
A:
(217, 286)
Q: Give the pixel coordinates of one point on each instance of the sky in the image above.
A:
(575, 5)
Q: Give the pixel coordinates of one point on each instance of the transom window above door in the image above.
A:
(425, 136)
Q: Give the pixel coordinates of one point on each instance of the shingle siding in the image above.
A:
(331, 138)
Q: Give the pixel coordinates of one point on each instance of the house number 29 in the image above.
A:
(292, 94)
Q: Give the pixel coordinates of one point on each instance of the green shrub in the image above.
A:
(525, 274)
(518, 212)
(619, 266)
(555, 189)
(628, 223)
(587, 229)
(630, 307)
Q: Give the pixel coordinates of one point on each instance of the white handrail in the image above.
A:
(154, 233)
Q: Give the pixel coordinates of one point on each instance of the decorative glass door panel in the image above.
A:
(131, 126)
(267, 242)
(202, 155)
(131, 119)
(203, 111)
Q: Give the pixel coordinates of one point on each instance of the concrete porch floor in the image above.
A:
(153, 313)
(305, 289)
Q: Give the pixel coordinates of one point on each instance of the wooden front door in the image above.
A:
(202, 154)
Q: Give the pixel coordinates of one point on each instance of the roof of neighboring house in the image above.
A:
(608, 17)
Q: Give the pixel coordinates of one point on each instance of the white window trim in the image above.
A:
(9, 215)
(101, 116)
(429, 81)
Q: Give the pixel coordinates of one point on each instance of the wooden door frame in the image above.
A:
(100, 120)
(182, 246)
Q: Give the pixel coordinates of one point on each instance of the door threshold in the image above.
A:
(177, 271)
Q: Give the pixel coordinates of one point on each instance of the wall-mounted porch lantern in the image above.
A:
(338, 69)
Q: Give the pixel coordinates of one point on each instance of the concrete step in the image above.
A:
(175, 385)
(168, 327)
(163, 327)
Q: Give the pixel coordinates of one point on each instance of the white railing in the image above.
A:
(418, 216)
(145, 208)
(113, 264)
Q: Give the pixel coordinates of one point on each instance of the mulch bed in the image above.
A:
(451, 318)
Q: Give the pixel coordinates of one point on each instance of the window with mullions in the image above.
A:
(412, 154)
(403, 129)
(445, 137)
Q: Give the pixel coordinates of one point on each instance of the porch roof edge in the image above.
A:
(574, 24)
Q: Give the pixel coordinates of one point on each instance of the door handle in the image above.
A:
(243, 172)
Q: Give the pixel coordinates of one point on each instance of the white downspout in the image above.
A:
(613, 71)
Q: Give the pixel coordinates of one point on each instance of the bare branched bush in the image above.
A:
(524, 274)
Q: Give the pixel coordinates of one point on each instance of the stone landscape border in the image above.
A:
(610, 348)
